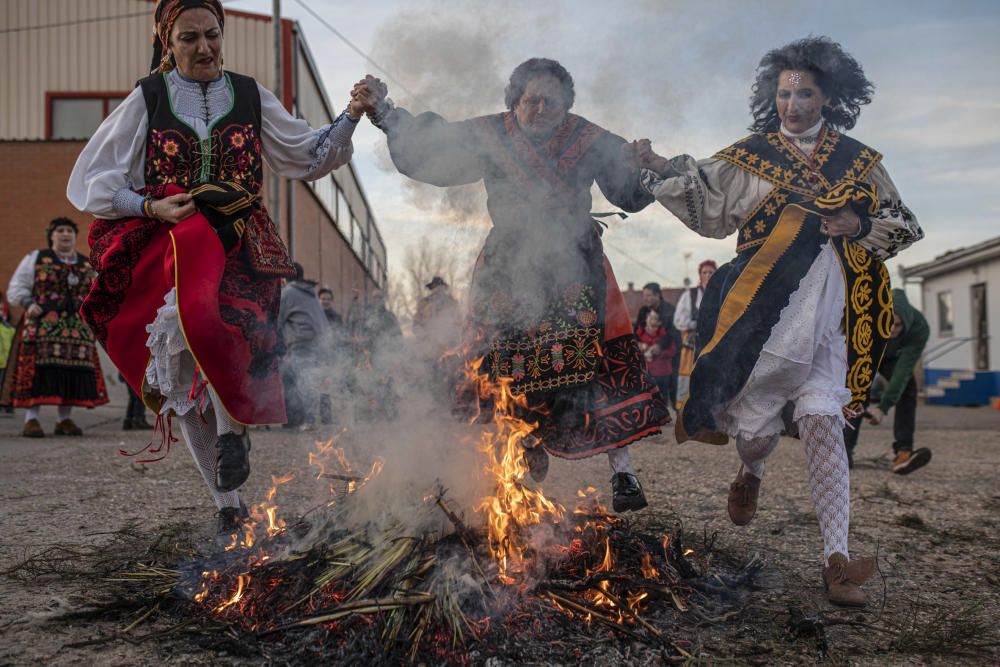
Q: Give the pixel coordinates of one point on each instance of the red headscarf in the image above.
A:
(166, 13)
(707, 262)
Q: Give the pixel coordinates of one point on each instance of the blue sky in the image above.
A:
(680, 74)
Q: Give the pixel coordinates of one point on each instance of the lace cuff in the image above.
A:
(649, 180)
(335, 135)
(128, 203)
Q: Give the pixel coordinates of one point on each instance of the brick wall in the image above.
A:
(33, 176)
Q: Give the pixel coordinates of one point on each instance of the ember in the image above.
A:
(331, 586)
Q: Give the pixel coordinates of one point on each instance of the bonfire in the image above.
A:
(528, 579)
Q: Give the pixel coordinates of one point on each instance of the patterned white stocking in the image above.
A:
(224, 423)
(829, 479)
(621, 460)
(200, 438)
(754, 452)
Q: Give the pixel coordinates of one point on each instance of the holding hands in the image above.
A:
(640, 154)
(366, 97)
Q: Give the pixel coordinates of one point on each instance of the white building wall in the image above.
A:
(959, 283)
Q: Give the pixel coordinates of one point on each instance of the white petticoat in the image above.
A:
(804, 359)
(171, 366)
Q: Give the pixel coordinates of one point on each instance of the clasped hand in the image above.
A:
(366, 96)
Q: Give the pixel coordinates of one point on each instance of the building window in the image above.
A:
(946, 316)
(77, 116)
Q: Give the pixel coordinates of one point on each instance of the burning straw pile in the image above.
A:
(537, 583)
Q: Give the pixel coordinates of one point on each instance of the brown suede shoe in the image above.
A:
(67, 427)
(842, 580)
(743, 494)
(32, 429)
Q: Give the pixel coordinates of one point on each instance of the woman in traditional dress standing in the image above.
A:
(184, 247)
(686, 322)
(805, 306)
(56, 361)
(546, 314)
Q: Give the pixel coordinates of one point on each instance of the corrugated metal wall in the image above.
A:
(99, 46)
(105, 46)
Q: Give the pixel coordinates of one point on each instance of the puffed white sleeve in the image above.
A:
(710, 196)
(893, 227)
(682, 314)
(110, 167)
(295, 150)
(23, 281)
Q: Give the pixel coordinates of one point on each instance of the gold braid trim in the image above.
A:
(752, 277)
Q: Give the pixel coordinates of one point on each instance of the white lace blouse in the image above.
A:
(112, 164)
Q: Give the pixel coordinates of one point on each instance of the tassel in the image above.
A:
(199, 394)
(163, 426)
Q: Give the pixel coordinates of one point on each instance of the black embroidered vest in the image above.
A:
(838, 164)
(231, 152)
(796, 177)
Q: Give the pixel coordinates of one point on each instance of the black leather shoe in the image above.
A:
(232, 465)
(230, 520)
(628, 495)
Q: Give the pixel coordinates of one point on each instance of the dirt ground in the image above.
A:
(936, 534)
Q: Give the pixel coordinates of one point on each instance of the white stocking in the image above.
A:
(621, 460)
(200, 438)
(30, 413)
(829, 479)
(754, 452)
(65, 411)
(223, 422)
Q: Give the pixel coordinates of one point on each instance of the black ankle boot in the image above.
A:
(232, 465)
(230, 520)
(628, 495)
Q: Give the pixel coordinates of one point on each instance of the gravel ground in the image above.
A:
(936, 534)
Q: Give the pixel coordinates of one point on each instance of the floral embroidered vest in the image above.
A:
(231, 152)
(59, 332)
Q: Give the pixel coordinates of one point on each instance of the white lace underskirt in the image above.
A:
(171, 366)
(804, 359)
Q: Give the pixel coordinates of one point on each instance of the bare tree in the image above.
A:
(424, 260)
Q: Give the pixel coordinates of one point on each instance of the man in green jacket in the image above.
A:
(906, 344)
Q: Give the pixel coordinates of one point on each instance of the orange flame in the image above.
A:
(513, 506)
(242, 581)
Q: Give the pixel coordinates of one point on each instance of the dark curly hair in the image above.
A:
(837, 73)
(534, 68)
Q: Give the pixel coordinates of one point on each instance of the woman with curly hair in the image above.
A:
(805, 308)
(546, 312)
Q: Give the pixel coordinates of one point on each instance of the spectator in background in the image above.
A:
(376, 335)
(373, 326)
(906, 344)
(57, 361)
(7, 331)
(333, 318)
(332, 381)
(686, 321)
(659, 350)
(305, 332)
(438, 311)
(135, 412)
(652, 299)
(438, 328)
